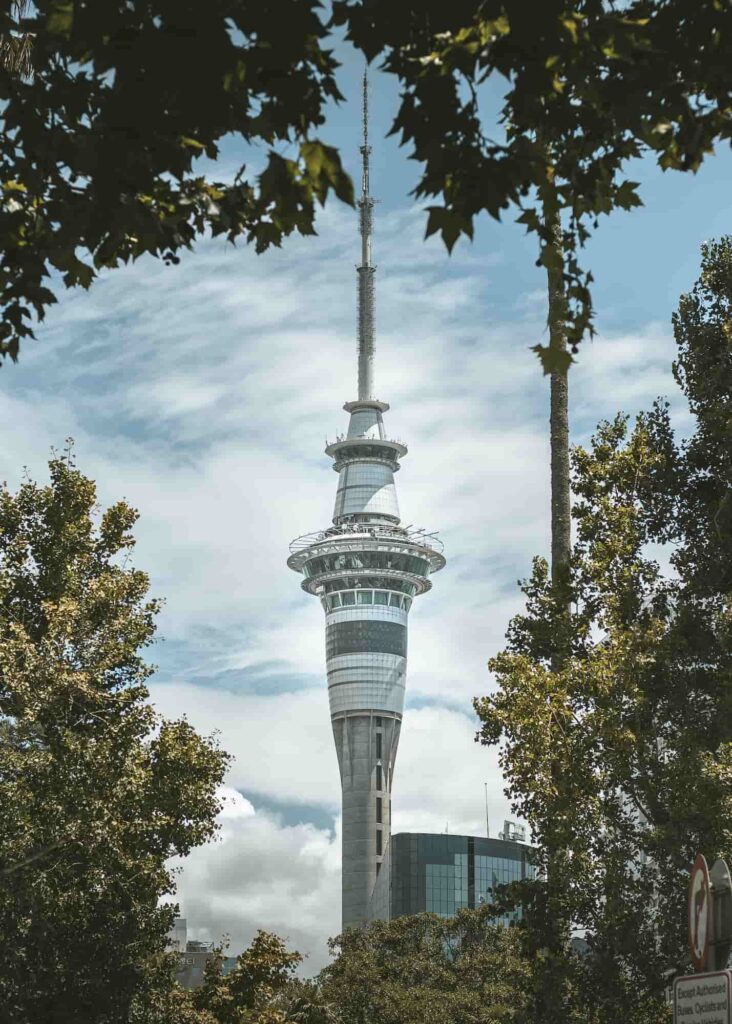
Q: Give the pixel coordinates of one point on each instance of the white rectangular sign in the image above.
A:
(703, 998)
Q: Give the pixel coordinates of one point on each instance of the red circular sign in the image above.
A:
(700, 913)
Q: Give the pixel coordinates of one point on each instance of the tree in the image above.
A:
(592, 83)
(424, 969)
(620, 759)
(103, 145)
(97, 791)
(15, 48)
(261, 989)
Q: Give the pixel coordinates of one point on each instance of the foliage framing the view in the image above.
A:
(621, 761)
(104, 144)
(589, 85)
(429, 970)
(97, 791)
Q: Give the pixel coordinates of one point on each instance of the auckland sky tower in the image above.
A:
(366, 568)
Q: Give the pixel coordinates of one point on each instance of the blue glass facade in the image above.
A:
(441, 874)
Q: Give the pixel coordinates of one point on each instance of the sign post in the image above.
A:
(721, 941)
(706, 997)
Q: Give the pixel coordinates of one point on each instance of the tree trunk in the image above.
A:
(559, 422)
(554, 981)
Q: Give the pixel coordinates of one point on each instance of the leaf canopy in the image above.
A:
(106, 146)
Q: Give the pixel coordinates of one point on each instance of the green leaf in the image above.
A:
(626, 196)
(60, 18)
(324, 169)
(553, 360)
(75, 271)
(571, 26)
(450, 225)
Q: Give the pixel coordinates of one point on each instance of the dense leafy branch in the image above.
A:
(105, 142)
(97, 791)
(589, 85)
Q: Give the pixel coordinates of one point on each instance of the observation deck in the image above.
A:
(348, 537)
(369, 449)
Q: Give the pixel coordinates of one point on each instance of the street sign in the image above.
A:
(721, 942)
(703, 998)
(700, 913)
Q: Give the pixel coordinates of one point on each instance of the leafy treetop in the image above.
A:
(429, 970)
(97, 791)
(589, 85)
(102, 144)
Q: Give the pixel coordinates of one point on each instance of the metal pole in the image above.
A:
(366, 269)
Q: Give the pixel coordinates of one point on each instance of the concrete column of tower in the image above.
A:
(366, 569)
(366, 745)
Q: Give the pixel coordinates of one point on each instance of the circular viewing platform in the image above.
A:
(364, 448)
(353, 537)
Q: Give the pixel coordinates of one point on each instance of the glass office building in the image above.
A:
(441, 874)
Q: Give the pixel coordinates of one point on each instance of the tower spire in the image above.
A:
(365, 270)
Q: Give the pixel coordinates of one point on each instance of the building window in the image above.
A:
(378, 721)
(365, 597)
(380, 597)
(348, 598)
(378, 745)
(378, 778)
(378, 842)
(379, 810)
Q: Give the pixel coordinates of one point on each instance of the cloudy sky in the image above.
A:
(204, 393)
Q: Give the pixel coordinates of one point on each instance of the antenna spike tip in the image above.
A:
(366, 268)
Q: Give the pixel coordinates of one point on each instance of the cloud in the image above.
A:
(263, 874)
(282, 743)
(283, 748)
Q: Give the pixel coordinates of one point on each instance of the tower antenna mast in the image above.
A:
(365, 270)
(487, 823)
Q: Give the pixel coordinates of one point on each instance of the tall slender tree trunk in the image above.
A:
(558, 423)
(553, 987)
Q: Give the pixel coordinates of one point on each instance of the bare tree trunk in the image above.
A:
(551, 996)
(559, 420)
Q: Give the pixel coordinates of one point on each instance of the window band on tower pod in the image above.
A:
(343, 598)
(365, 636)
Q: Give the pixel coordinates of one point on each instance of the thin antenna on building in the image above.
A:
(487, 822)
(366, 268)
